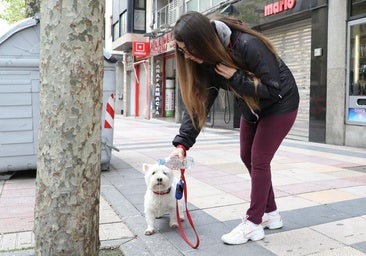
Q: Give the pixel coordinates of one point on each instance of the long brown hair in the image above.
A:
(201, 40)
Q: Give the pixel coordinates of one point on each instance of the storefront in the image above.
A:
(345, 120)
(356, 64)
(298, 30)
(133, 96)
(293, 43)
(324, 44)
(163, 76)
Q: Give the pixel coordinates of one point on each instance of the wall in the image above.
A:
(336, 79)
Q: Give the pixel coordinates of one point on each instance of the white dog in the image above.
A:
(160, 196)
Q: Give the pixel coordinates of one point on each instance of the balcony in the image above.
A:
(168, 15)
(124, 43)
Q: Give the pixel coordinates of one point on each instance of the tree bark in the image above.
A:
(69, 141)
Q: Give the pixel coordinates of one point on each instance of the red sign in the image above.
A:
(162, 44)
(277, 7)
(140, 49)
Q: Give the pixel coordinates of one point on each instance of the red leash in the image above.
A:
(183, 186)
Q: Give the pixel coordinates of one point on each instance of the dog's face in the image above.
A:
(158, 177)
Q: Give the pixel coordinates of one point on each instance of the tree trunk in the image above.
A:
(69, 143)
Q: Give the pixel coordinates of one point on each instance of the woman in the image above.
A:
(225, 53)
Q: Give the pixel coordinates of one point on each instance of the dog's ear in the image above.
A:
(145, 167)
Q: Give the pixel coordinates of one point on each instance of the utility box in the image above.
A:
(19, 98)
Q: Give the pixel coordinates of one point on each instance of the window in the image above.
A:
(116, 31)
(123, 20)
(204, 5)
(140, 4)
(139, 20)
(358, 7)
(356, 105)
(192, 5)
(139, 15)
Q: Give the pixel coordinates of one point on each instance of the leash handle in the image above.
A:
(180, 226)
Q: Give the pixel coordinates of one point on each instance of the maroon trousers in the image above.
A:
(258, 144)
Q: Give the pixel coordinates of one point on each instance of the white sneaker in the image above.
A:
(272, 220)
(245, 231)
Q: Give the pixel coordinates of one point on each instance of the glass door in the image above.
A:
(356, 72)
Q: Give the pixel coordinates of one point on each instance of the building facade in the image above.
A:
(321, 41)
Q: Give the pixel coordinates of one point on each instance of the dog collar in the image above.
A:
(162, 192)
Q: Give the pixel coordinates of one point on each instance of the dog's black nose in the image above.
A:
(159, 179)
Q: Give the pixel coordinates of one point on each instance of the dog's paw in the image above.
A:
(149, 232)
(173, 225)
(181, 219)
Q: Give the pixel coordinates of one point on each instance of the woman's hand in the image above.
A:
(224, 70)
(180, 152)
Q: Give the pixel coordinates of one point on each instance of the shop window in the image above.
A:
(356, 104)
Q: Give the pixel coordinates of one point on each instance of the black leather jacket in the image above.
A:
(277, 91)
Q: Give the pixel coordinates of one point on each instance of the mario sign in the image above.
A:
(140, 49)
(278, 7)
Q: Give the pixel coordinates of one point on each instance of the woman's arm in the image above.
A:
(187, 132)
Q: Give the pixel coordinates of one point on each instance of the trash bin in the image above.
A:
(19, 98)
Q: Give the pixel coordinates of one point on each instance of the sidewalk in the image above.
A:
(320, 192)
(17, 200)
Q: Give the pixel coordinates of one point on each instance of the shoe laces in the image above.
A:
(244, 222)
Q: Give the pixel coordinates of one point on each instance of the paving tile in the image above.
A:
(347, 250)
(339, 183)
(16, 211)
(359, 190)
(305, 175)
(229, 212)
(359, 179)
(293, 202)
(312, 216)
(352, 208)
(8, 191)
(347, 231)
(15, 224)
(25, 240)
(108, 216)
(15, 201)
(243, 194)
(20, 183)
(303, 241)
(17, 241)
(344, 173)
(225, 179)
(329, 196)
(204, 202)
(8, 241)
(112, 231)
(235, 187)
(360, 246)
(196, 188)
(280, 179)
(300, 188)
